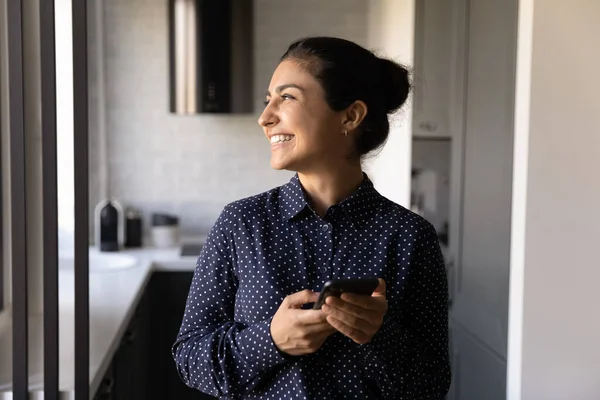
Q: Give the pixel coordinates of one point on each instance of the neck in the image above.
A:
(330, 187)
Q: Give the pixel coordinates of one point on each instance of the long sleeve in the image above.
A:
(265, 247)
(409, 354)
(212, 352)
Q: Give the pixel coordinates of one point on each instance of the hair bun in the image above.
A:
(395, 84)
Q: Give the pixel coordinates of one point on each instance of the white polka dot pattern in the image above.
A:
(268, 246)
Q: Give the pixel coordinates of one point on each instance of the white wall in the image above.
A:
(391, 35)
(554, 318)
(193, 166)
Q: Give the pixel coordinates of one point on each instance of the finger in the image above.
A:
(371, 303)
(310, 317)
(349, 315)
(319, 329)
(353, 333)
(296, 300)
(380, 289)
(322, 336)
(377, 301)
(351, 308)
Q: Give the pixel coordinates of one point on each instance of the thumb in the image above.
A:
(296, 300)
(380, 289)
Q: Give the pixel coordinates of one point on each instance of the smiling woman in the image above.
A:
(248, 331)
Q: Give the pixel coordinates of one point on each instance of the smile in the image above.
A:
(275, 139)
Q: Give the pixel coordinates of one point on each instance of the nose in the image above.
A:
(268, 117)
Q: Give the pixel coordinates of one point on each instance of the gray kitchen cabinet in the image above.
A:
(127, 376)
(435, 24)
(487, 381)
(142, 367)
(132, 361)
(169, 294)
(481, 195)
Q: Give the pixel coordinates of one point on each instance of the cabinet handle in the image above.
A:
(110, 383)
(428, 126)
(105, 390)
(130, 336)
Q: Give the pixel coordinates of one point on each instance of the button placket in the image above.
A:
(327, 231)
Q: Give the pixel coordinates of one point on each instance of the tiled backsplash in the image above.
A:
(193, 166)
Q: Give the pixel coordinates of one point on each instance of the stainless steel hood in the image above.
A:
(211, 56)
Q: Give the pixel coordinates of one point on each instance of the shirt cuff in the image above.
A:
(259, 347)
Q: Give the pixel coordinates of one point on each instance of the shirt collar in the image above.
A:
(358, 207)
(292, 199)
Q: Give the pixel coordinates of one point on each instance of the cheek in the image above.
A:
(315, 128)
(328, 131)
(304, 124)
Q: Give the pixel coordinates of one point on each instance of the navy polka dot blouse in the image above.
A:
(268, 246)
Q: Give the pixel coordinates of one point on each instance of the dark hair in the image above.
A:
(348, 72)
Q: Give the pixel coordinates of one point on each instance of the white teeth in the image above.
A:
(280, 138)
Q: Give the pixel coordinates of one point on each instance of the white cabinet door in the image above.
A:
(433, 66)
(481, 200)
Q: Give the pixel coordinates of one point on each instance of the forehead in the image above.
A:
(290, 72)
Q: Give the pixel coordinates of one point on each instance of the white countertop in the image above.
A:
(114, 296)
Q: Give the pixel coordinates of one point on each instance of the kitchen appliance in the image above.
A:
(165, 230)
(109, 225)
(133, 228)
(211, 56)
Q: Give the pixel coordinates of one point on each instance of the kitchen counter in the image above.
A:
(114, 296)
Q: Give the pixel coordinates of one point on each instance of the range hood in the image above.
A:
(211, 56)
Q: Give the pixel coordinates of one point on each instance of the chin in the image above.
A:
(291, 162)
(279, 165)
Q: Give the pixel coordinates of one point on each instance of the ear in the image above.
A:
(354, 115)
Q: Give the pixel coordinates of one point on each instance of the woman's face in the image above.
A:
(304, 132)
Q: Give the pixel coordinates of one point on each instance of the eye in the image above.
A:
(266, 102)
(286, 96)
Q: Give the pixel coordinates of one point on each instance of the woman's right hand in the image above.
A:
(296, 331)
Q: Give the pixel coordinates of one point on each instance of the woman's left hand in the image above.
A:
(357, 316)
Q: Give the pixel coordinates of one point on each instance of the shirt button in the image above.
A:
(323, 269)
(325, 227)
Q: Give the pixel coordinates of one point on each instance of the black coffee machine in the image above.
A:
(109, 226)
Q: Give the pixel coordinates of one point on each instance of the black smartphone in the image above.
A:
(364, 286)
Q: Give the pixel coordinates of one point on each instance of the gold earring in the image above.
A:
(346, 133)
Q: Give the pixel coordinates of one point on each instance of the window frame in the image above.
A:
(4, 267)
(3, 274)
(4, 193)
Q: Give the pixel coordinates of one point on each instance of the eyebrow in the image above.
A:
(279, 89)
